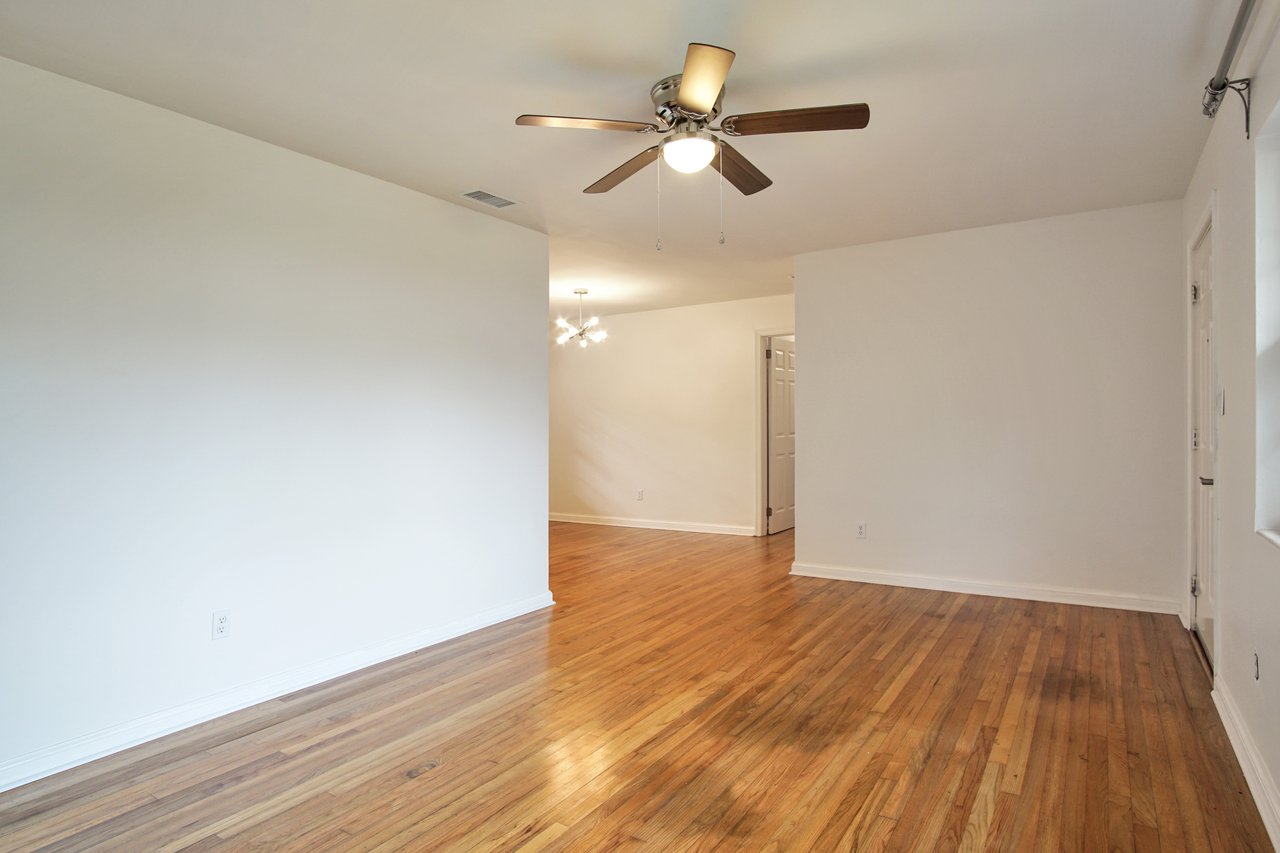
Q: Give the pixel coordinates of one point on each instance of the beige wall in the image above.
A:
(236, 378)
(668, 405)
(1004, 407)
(1249, 565)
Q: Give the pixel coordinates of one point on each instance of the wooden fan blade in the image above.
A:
(626, 170)
(842, 117)
(705, 68)
(738, 170)
(586, 123)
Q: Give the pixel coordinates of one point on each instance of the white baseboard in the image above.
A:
(1030, 592)
(1261, 783)
(651, 524)
(72, 753)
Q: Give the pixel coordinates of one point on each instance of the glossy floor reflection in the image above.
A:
(686, 693)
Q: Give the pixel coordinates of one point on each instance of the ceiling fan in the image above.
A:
(686, 104)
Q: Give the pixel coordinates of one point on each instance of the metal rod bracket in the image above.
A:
(1243, 88)
(1213, 95)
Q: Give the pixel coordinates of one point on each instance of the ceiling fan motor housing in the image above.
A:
(664, 94)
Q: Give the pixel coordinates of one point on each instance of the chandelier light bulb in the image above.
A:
(689, 151)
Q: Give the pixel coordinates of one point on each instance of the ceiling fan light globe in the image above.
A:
(689, 152)
(582, 342)
(598, 335)
(564, 338)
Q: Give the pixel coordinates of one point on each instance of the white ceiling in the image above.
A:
(981, 112)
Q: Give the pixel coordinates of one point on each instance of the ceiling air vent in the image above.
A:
(488, 198)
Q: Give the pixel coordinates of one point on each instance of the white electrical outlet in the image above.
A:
(639, 494)
(862, 530)
(221, 624)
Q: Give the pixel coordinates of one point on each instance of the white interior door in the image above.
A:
(782, 434)
(1207, 400)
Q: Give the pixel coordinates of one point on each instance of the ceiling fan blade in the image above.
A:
(705, 68)
(586, 123)
(842, 117)
(626, 170)
(738, 170)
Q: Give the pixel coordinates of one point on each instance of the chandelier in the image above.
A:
(585, 332)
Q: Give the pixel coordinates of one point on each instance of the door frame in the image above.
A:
(762, 425)
(1206, 222)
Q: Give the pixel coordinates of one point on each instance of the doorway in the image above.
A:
(780, 408)
(1206, 402)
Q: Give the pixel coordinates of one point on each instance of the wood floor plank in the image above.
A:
(687, 694)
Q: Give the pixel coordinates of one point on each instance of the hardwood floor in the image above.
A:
(684, 694)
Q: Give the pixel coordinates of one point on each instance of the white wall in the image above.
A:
(668, 405)
(1004, 407)
(233, 377)
(1249, 566)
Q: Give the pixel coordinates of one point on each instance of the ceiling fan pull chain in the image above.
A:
(720, 154)
(658, 246)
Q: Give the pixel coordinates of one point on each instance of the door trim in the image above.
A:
(762, 426)
(1206, 222)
